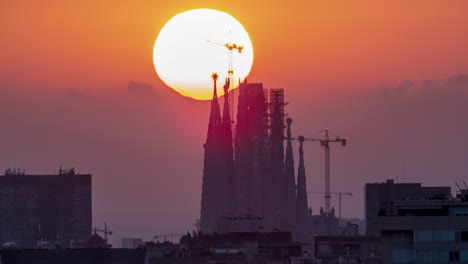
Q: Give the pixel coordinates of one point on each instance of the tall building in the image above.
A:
(215, 190)
(431, 229)
(302, 211)
(251, 157)
(380, 196)
(55, 208)
(250, 187)
(289, 183)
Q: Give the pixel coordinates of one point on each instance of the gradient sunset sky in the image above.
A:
(78, 87)
(98, 45)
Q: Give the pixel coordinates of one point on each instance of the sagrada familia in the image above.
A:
(249, 182)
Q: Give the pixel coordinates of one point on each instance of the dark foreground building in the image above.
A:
(380, 197)
(247, 247)
(250, 174)
(52, 208)
(348, 249)
(74, 256)
(419, 224)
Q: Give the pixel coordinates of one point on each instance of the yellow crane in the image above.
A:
(231, 47)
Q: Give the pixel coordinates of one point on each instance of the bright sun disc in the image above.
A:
(184, 58)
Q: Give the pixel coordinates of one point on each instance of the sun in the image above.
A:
(190, 48)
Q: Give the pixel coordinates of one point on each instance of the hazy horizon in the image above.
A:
(142, 156)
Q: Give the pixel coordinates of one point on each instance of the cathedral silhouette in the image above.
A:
(249, 182)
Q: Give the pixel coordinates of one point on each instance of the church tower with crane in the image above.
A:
(249, 180)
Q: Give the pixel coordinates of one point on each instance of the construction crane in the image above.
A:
(339, 194)
(165, 236)
(325, 143)
(105, 231)
(231, 47)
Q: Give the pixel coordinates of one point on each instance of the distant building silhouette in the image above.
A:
(216, 172)
(54, 208)
(418, 224)
(302, 210)
(379, 198)
(254, 181)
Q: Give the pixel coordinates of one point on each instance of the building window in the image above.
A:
(454, 256)
(429, 256)
(463, 235)
(464, 255)
(402, 256)
(431, 236)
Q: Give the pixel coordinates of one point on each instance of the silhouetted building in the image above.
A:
(241, 247)
(301, 198)
(425, 227)
(255, 178)
(379, 198)
(75, 256)
(216, 200)
(253, 182)
(54, 208)
(348, 249)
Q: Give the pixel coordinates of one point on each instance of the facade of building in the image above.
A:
(74, 256)
(255, 175)
(54, 208)
(348, 249)
(240, 247)
(418, 229)
(380, 196)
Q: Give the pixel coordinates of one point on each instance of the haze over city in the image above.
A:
(78, 88)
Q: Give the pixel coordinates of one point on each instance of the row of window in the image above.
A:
(429, 256)
(431, 236)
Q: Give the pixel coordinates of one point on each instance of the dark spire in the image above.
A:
(301, 199)
(214, 169)
(227, 144)
(215, 113)
(289, 180)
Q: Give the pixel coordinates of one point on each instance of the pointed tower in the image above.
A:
(289, 203)
(228, 151)
(277, 158)
(301, 198)
(214, 188)
(249, 142)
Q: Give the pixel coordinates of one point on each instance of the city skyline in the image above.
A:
(101, 108)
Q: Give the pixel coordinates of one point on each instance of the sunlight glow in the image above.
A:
(184, 58)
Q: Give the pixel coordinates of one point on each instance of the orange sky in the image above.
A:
(100, 46)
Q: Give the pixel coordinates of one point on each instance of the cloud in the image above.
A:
(140, 88)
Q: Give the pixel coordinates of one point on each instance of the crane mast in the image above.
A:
(325, 143)
(105, 231)
(231, 47)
